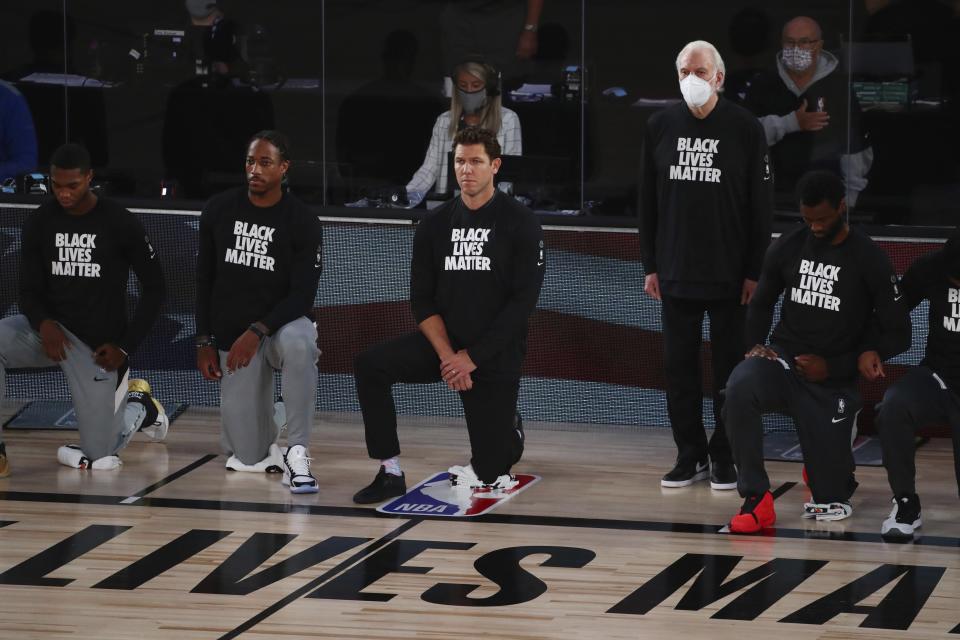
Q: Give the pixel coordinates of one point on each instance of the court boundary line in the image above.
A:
(136, 497)
(490, 518)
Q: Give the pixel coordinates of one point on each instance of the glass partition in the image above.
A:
(165, 94)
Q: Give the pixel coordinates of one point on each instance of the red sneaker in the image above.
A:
(755, 514)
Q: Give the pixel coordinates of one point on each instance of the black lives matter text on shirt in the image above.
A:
(927, 279)
(481, 271)
(839, 300)
(74, 270)
(255, 264)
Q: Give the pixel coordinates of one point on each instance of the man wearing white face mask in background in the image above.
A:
(803, 108)
(705, 206)
(475, 102)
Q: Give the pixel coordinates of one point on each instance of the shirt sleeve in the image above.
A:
(206, 270)
(305, 273)
(648, 213)
(512, 136)
(32, 275)
(529, 265)
(760, 205)
(426, 176)
(423, 276)
(893, 317)
(913, 284)
(142, 257)
(769, 288)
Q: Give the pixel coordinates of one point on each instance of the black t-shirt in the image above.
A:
(927, 279)
(837, 299)
(255, 264)
(481, 271)
(74, 270)
(706, 200)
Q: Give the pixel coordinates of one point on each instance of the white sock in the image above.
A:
(392, 466)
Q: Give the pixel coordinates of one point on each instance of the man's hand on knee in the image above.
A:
(54, 340)
(761, 351)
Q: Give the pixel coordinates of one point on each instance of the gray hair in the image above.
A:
(703, 45)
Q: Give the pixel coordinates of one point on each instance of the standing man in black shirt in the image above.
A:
(76, 254)
(842, 312)
(928, 394)
(475, 277)
(259, 261)
(706, 197)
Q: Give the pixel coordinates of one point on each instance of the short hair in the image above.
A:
(477, 135)
(703, 45)
(276, 138)
(71, 156)
(815, 187)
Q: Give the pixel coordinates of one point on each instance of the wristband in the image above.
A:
(205, 341)
(257, 332)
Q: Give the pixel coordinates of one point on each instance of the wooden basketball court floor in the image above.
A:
(174, 546)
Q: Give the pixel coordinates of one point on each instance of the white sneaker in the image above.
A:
(70, 455)
(465, 477)
(827, 512)
(156, 423)
(273, 463)
(296, 470)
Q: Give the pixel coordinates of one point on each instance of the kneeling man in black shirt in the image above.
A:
(475, 277)
(842, 311)
(77, 250)
(928, 394)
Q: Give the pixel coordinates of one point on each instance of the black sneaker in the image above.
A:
(683, 475)
(385, 485)
(521, 438)
(723, 476)
(904, 518)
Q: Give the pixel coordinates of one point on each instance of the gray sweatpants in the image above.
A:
(99, 397)
(246, 395)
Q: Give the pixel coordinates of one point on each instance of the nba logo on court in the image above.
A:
(435, 496)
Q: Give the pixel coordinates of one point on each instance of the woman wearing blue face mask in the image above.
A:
(475, 102)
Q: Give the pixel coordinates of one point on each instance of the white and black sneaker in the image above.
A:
(723, 476)
(904, 518)
(273, 463)
(155, 423)
(71, 455)
(296, 470)
(827, 511)
(684, 475)
(464, 477)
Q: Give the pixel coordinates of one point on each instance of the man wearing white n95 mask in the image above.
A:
(705, 208)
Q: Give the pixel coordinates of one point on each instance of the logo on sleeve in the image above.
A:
(467, 247)
(251, 246)
(695, 160)
(75, 255)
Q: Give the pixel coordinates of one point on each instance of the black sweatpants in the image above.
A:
(824, 418)
(489, 407)
(918, 399)
(682, 320)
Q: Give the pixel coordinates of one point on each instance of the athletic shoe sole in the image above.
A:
(697, 477)
(900, 530)
(722, 486)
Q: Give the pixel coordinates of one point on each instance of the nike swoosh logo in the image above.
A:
(100, 379)
(836, 420)
(897, 298)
